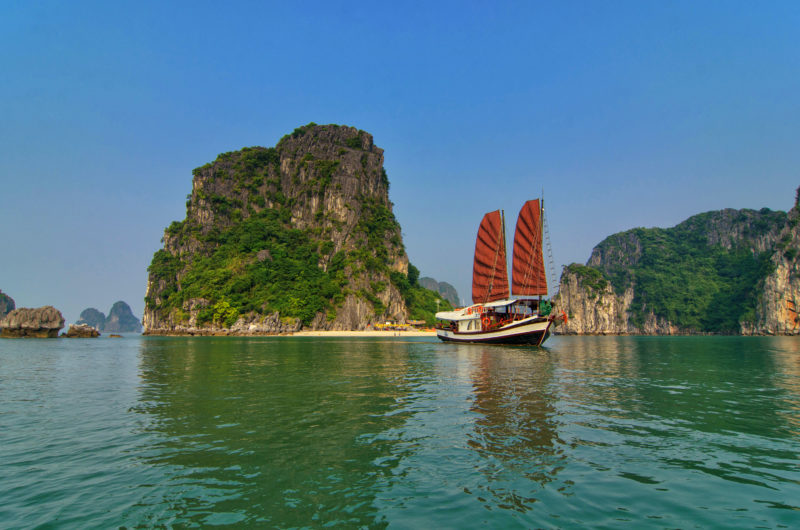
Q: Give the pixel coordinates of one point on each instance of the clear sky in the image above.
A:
(626, 114)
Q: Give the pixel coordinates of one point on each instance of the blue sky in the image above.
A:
(626, 114)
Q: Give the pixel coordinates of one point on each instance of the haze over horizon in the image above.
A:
(625, 114)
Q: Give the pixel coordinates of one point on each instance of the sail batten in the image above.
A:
(489, 272)
(528, 274)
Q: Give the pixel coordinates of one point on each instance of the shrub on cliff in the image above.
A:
(423, 303)
(590, 278)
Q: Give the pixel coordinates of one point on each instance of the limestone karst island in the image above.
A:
(120, 319)
(721, 272)
(302, 236)
(296, 236)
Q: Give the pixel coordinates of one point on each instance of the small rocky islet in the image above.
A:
(81, 331)
(47, 321)
(40, 322)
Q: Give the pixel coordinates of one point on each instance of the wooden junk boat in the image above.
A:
(495, 317)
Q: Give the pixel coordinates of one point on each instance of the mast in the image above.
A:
(550, 269)
(502, 244)
(541, 233)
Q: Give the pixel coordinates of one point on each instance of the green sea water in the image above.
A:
(637, 432)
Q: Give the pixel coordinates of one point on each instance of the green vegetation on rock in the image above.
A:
(289, 282)
(696, 275)
(298, 229)
(421, 302)
(589, 277)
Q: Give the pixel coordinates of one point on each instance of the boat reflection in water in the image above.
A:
(516, 430)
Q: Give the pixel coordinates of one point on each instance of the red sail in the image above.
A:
(489, 273)
(527, 270)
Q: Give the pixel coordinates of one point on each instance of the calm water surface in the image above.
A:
(406, 433)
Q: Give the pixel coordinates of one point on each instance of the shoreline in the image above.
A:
(365, 333)
(306, 333)
(410, 333)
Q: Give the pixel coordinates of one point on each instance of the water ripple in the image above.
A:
(283, 432)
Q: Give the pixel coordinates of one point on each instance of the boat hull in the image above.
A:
(533, 332)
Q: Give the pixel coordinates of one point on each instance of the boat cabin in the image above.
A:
(484, 317)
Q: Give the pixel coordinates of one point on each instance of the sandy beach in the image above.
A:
(367, 333)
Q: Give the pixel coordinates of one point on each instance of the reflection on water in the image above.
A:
(309, 432)
(668, 408)
(698, 382)
(786, 353)
(271, 424)
(514, 398)
(298, 432)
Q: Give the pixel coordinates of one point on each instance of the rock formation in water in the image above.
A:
(92, 317)
(121, 320)
(275, 239)
(6, 304)
(447, 291)
(42, 322)
(728, 272)
(81, 331)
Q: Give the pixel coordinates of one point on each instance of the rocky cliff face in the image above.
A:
(42, 322)
(6, 304)
(779, 296)
(731, 271)
(594, 309)
(81, 331)
(299, 235)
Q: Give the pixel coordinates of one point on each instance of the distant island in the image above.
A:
(7, 304)
(296, 236)
(120, 319)
(447, 291)
(722, 272)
